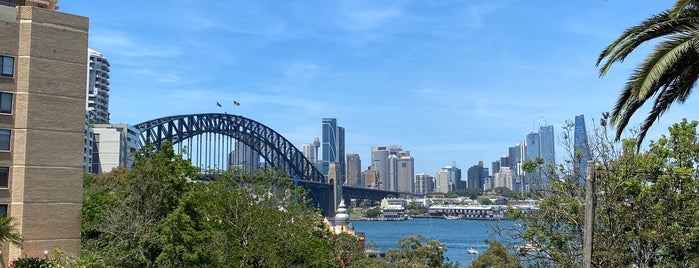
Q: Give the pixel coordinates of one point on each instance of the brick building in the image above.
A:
(42, 124)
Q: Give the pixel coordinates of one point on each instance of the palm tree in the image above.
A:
(668, 73)
(8, 231)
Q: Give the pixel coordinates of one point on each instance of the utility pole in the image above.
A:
(589, 214)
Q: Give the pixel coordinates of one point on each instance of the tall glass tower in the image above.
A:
(582, 149)
(329, 144)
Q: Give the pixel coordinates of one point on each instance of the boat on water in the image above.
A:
(451, 217)
(471, 250)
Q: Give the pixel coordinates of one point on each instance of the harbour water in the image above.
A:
(458, 235)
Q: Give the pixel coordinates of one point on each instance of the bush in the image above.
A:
(33, 262)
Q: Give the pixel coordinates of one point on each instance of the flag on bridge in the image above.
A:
(236, 103)
(218, 104)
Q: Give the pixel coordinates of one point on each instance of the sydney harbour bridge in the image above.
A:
(210, 138)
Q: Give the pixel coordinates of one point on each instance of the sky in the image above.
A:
(450, 81)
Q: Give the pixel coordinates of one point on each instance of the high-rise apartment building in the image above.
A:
(354, 170)
(441, 182)
(97, 88)
(424, 183)
(114, 145)
(42, 125)
(582, 149)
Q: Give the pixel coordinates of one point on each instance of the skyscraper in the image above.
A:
(476, 176)
(424, 183)
(97, 88)
(516, 158)
(405, 174)
(582, 149)
(42, 105)
(354, 170)
(329, 144)
(340, 157)
(539, 145)
(309, 151)
(370, 178)
(441, 181)
(380, 163)
(244, 157)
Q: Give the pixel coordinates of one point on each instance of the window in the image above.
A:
(5, 102)
(7, 66)
(4, 139)
(3, 209)
(4, 177)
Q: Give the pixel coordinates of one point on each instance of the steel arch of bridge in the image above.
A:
(272, 146)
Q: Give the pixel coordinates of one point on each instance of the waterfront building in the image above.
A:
(42, 125)
(97, 104)
(424, 183)
(582, 149)
(113, 146)
(354, 170)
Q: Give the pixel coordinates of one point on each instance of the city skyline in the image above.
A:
(450, 81)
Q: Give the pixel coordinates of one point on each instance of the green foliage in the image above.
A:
(9, 232)
(496, 256)
(505, 192)
(416, 252)
(472, 193)
(366, 203)
(414, 209)
(372, 212)
(667, 74)
(646, 213)
(152, 217)
(485, 201)
(33, 262)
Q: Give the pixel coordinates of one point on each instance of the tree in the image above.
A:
(8, 231)
(647, 213)
(418, 252)
(669, 72)
(372, 212)
(496, 256)
(124, 218)
(472, 193)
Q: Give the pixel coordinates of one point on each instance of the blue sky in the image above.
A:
(447, 80)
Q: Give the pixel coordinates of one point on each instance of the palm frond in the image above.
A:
(671, 81)
(659, 25)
